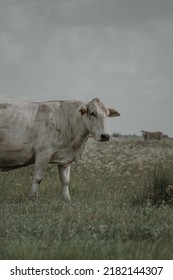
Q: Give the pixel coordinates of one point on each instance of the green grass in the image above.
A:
(111, 216)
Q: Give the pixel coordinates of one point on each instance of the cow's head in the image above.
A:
(143, 132)
(94, 116)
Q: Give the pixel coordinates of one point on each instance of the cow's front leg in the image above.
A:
(64, 174)
(41, 164)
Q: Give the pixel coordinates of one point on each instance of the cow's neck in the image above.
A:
(79, 134)
(74, 139)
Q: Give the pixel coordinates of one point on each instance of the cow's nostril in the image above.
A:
(105, 137)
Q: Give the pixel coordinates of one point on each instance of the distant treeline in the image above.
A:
(116, 134)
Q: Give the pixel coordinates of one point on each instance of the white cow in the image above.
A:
(49, 132)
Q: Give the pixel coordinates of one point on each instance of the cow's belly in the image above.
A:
(15, 158)
(15, 148)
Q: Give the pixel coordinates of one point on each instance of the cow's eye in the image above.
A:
(92, 114)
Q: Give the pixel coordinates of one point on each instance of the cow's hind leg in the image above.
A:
(64, 174)
(41, 164)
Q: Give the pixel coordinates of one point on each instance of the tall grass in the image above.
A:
(158, 185)
(161, 181)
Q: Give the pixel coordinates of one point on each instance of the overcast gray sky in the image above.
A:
(118, 50)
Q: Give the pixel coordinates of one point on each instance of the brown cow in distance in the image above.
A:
(157, 135)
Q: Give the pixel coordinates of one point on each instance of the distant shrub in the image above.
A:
(115, 134)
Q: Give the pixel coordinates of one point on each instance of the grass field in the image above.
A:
(120, 206)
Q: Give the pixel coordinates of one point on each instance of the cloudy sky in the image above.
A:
(118, 50)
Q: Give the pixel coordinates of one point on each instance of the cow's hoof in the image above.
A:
(66, 197)
(32, 196)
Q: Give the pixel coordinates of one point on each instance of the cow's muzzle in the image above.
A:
(104, 137)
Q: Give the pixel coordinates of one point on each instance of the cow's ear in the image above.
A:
(97, 100)
(113, 113)
(83, 109)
